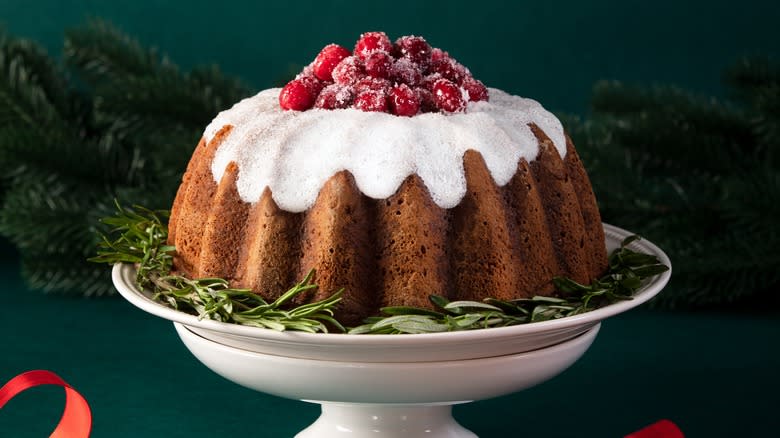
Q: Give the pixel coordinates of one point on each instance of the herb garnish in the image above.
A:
(627, 270)
(139, 236)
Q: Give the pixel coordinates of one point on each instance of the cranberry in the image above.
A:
(348, 71)
(437, 54)
(335, 96)
(372, 84)
(296, 96)
(476, 89)
(404, 101)
(405, 71)
(371, 42)
(448, 96)
(415, 48)
(425, 97)
(428, 81)
(312, 83)
(450, 69)
(371, 101)
(405, 78)
(329, 57)
(378, 64)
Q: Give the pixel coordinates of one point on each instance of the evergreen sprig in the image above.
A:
(699, 176)
(139, 236)
(113, 120)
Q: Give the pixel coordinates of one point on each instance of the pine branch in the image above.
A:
(674, 130)
(132, 82)
(104, 55)
(33, 86)
(51, 273)
(756, 82)
(697, 176)
(125, 128)
(750, 77)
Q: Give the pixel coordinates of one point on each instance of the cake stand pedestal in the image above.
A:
(392, 386)
(362, 399)
(364, 420)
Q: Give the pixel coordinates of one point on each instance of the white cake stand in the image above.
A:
(392, 386)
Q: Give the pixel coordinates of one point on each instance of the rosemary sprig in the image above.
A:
(139, 237)
(627, 271)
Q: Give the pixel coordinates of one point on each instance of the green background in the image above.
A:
(551, 51)
(714, 373)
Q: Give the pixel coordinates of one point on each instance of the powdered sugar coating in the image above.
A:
(294, 153)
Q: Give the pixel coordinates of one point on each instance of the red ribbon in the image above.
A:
(76, 421)
(660, 429)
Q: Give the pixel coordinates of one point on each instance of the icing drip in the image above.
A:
(294, 153)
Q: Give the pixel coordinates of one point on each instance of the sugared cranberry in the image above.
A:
(425, 97)
(348, 71)
(448, 96)
(312, 83)
(329, 57)
(371, 101)
(335, 96)
(476, 89)
(404, 101)
(450, 69)
(405, 78)
(415, 48)
(371, 42)
(428, 81)
(372, 84)
(378, 64)
(437, 54)
(405, 71)
(296, 96)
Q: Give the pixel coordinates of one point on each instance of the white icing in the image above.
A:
(295, 153)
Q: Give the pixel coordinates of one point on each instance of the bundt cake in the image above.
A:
(420, 181)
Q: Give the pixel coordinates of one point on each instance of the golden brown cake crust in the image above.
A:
(271, 246)
(504, 242)
(412, 242)
(595, 249)
(483, 255)
(193, 205)
(562, 210)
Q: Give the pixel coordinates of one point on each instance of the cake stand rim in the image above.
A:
(123, 276)
(409, 382)
(588, 337)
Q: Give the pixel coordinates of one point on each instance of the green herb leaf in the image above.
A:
(139, 237)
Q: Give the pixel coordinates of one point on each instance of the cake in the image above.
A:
(395, 175)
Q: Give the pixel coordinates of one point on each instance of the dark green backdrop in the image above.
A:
(552, 51)
(715, 374)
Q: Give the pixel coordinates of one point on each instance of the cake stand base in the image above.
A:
(387, 399)
(392, 385)
(385, 421)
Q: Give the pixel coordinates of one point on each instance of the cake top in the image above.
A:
(295, 152)
(406, 78)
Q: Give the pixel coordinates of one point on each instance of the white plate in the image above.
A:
(390, 399)
(401, 348)
(448, 381)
